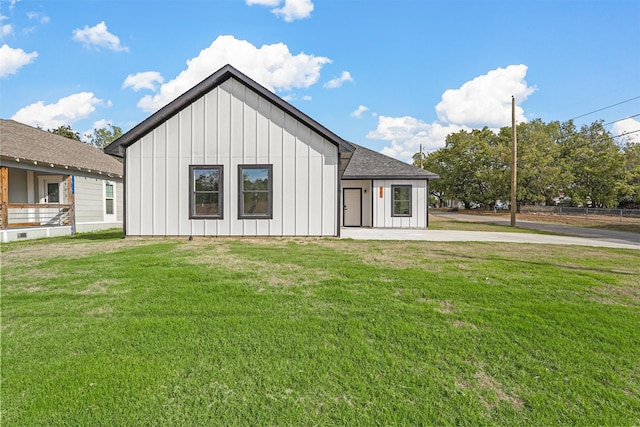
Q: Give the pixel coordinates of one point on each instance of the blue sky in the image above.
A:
(386, 74)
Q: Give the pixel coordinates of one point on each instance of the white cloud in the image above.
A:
(145, 80)
(307, 98)
(292, 9)
(98, 124)
(486, 100)
(273, 66)
(6, 30)
(11, 60)
(64, 112)
(338, 81)
(98, 36)
(483, 101)
(407, 133)
(359, 111)
(41, 18)
(628, 129)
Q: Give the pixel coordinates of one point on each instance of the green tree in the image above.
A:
(596, 163)
(105, 136)
(66, 131)
(471, 168)
(631, 193)
(542, 173)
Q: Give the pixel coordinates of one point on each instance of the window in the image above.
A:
(255, 183)
(108, 198)
(205, 195)
(400, 200)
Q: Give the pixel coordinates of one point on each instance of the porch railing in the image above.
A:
(34, 215)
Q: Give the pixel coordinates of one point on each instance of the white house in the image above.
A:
(51, 185)
(230, 158)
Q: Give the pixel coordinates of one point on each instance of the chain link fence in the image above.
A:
(621, 216)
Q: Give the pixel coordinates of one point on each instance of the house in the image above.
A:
(51, 185)
(230, 158)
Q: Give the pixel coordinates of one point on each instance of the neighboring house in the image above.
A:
(51, 185)
(230, 158)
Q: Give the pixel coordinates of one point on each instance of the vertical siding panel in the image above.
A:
(262, 153)
(276, 131)
(250, 150)
(316, 182)
(211, 146)
(146, 196)
(237, 154)
(303, 138)
(329, 188)
(289, 176)
(184, 160)
(172, 183)
(198, 150)
(134, 182)
(159, 180)
(224, 158)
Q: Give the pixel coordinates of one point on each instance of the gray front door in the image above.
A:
(352, 208)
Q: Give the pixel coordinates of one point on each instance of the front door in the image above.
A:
(352, 208)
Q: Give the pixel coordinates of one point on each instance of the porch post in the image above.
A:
(4, 196)
(72, 202)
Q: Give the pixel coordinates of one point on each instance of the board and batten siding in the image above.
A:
(232, 125)
(382, 209)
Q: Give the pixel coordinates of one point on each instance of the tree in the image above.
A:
(66, 131)
(105, 136)
(596, 163)
(542, 173)
(631, 193)
(471, 166)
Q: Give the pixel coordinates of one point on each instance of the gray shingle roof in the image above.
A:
(368, 164)
(19, 141)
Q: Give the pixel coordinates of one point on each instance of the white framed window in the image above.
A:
(255, 198)
(109, 197)
(401, 200)
(205, 191)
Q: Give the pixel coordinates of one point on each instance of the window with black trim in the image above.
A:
(205, 194)
(255, 198)
(401, 200)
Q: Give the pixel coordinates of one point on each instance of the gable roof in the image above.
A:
(369, 164)
(208, 84)
(20, 142)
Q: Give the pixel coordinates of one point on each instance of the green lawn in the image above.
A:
(100, 330)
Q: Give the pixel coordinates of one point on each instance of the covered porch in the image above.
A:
(31, 198)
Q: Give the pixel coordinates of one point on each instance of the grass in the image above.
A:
(100, 330)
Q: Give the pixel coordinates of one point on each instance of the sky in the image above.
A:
(391, 75)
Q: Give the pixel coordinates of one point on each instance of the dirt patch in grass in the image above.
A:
(628, 296)
(36, 253)
(483, 383)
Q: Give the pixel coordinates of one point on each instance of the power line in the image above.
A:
(604, 108)
(619, 120)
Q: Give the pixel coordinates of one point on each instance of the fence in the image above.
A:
(589, 214)
(34, 215)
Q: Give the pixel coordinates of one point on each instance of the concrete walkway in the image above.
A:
(568, 235)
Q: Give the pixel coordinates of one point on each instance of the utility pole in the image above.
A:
(420, 156)
(514, 162)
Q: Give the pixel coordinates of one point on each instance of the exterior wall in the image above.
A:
(229, 126)
(382, 205)
(90, 204)
(367, 197)
(18, 186)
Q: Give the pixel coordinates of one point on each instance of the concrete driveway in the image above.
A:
(567, 235)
